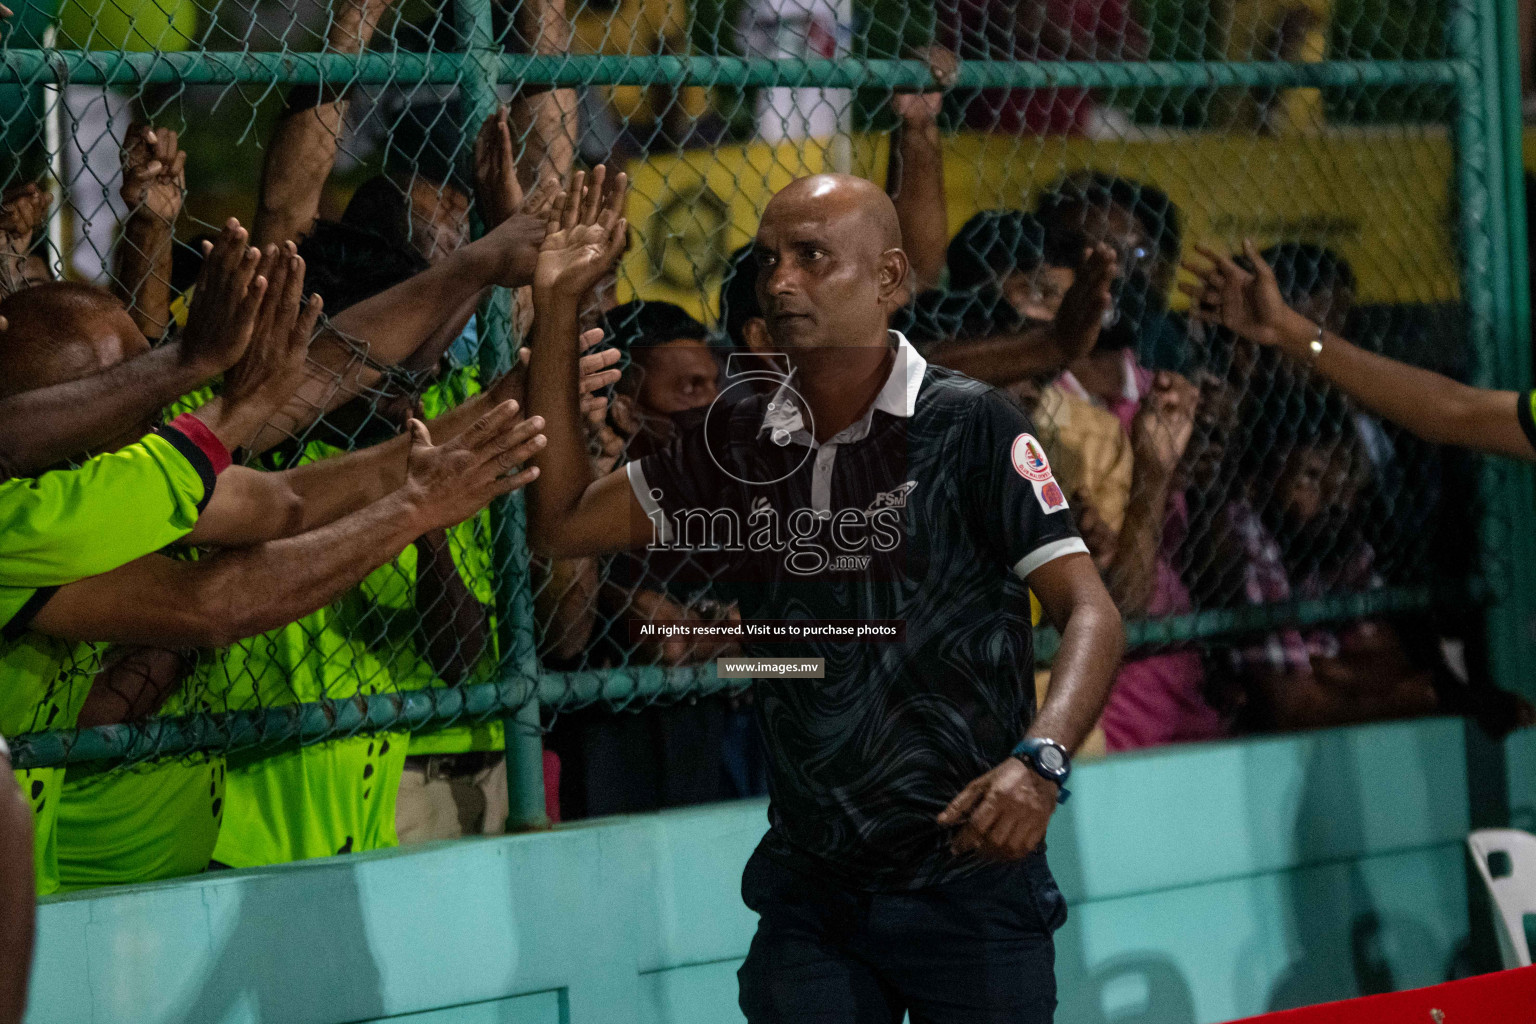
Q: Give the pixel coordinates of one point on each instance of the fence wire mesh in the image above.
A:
(1286, 524)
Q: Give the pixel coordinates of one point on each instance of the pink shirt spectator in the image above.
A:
(1160, 698)
(1266, 581)
(1137, 381)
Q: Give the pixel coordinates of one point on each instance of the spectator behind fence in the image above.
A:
(420, 621)
(1297, 535)
(156, 600)
(976, 327)
(1143, 227)
(1005, 276)
(660, 756)
(1157, 698)
(1247, 299)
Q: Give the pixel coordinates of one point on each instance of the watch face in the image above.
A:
(1050, 759)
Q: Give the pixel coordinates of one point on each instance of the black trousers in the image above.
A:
(974, 951)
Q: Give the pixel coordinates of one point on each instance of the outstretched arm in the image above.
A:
(571, 514)
(1434, 407)
(241, 592)
(545, 121)
(915, 177)
(250, 506)
(388, 328)
(42, 427)
(303, 148)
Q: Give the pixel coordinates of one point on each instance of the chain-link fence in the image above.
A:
(1357, 142)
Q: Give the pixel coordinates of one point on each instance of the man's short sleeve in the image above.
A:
(69, 524)
(1012, 498)
(1525, 409)
(682, 476)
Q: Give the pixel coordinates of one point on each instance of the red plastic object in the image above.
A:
(1507, 997)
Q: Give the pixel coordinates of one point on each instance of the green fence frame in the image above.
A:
(1481, 70)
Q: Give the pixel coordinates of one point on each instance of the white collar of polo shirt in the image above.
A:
(897, 396)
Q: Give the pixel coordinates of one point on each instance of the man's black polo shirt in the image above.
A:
(931, 510)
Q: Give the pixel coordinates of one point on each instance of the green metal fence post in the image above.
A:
(519, 665)
(1493, 245)
(1490, 185)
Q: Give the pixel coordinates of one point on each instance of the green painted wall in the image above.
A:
(1205, 883)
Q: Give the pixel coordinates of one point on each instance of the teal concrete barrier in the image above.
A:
(1205, 883)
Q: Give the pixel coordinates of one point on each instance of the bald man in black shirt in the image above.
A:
(904, 868)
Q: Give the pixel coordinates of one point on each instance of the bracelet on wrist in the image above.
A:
(1315, 346)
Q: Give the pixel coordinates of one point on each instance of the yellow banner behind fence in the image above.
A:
(1379, 197)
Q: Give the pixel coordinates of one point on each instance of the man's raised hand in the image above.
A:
(1086, 303)
(1164, 424)
(446, 484)
(595, 368)
(154, 173)
(1246, 302)
(921, 109)
(587, 232)
(496, 185)
(224, 307)
(265, 378)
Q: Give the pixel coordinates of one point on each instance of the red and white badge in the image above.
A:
(1029, 459)
(1028, 456)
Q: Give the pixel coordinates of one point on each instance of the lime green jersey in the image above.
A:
(68, 524)
(383, 611)
(43, 685)
(332, 797)
(118, 825)
(1525, 412)
(470, 545)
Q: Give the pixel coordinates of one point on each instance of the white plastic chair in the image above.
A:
(1514, 895)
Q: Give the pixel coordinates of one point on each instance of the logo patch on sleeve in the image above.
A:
(1028, 457)
(1050, 497)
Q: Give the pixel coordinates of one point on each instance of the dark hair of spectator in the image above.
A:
(996, 243)
(638, 325)
(738, 295)
(426, 141)
(1302, 270)
(347, 264)
(1151, 206)
(381, 206)
(1061, 209)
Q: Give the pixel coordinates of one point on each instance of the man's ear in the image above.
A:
(894, 267)
(622, 414)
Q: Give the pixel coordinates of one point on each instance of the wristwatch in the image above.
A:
(1049, 760)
